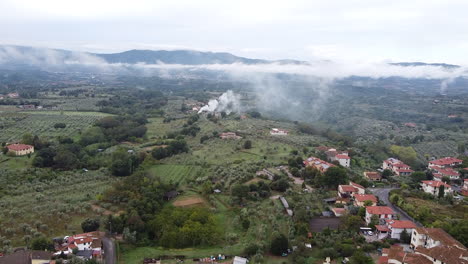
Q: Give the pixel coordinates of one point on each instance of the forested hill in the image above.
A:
(188, 57)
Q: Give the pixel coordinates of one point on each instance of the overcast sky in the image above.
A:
(366, 30)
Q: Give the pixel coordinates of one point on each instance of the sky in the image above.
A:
(348, 30)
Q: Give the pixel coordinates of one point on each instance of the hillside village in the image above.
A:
(266, 191)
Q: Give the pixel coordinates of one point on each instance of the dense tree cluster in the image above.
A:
(184, 227)
(131, 101)
(172, 148)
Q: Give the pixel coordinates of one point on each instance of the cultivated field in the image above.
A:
(42, 123)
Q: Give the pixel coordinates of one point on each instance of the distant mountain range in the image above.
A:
(24, 54)
(31, 55)
(187, 57)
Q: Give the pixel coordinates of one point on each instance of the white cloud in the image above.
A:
(354, 29)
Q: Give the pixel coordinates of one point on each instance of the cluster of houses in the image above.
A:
(85, 246)
(444, 167)
(20, 149)
(427, 246)
(317, 163)
(10, 95)
(398, 167)
(333, 155)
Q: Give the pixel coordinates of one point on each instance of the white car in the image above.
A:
(370, 233)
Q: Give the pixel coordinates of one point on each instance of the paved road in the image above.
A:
(110, 256)
(383, 194)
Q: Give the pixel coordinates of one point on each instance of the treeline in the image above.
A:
(328, 133)
(132, 101)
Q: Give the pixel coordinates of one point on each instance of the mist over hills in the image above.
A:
(35, 55)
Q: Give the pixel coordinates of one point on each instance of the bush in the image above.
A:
(248, 144)
(279, 245)
(90, 225)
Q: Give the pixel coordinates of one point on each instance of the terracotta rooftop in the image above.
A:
(445, 254)
(382, 228)
(342, 156)
(19, 147)
(400, 224)
(440, 235)
(445, 161)
(365, 197)
(356, 185)
(379, 210)
(436, 184)
(372, 175)
(348, 188)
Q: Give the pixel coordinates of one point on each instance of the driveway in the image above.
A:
(383, 194)
(110, 256)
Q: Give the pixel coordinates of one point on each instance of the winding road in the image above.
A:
(383, 195)
(110, 255)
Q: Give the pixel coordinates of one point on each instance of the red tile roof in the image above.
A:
(342, 156)
(356, 185)
(400, 224)
(379, 210)
(436, 184)
(438, 234)
(365, 197)
(348, 188)
(447, 171)
(372, 175)
(382, 228)
(382, 260)
(19, 147)
(446, 161)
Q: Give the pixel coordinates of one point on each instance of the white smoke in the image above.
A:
(228, 102)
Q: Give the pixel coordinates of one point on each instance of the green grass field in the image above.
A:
(176, 173)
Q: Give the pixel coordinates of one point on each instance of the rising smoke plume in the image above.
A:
(228, 102)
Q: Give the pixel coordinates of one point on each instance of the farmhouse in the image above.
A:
(382, 212)
(20, 149)
(373, 176)
(86, 245)
(433, 187)
(317, 163)
(397, 167)
(229, 135)
(396, 227)
(360, 199)
(340, 156)
(346, 191)
(278, 132)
